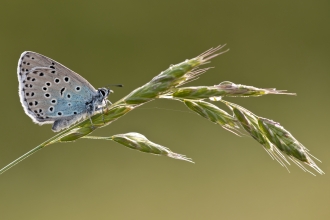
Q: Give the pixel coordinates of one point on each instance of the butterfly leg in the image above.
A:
(90, 119)
(106, 104)
(103, 116)
(90, 110)
(106, 107)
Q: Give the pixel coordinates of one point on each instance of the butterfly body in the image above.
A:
(52, 93)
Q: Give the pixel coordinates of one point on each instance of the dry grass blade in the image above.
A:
(274, 138)
(161, 84)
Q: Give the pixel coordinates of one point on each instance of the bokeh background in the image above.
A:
(282, 44)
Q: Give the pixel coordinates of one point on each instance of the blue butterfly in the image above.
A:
(51, 93)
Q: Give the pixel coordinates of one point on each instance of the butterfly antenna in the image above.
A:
(116, 85)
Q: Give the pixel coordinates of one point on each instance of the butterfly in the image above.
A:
(51, 93)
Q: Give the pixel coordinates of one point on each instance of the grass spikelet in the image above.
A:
(139, 142)
(224, 89)
(275, 139)
(289, 145)
(214, 114)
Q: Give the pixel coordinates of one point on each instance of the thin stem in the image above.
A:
(97, 138)
(24, 156)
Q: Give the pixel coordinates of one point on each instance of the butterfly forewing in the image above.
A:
(50, 91)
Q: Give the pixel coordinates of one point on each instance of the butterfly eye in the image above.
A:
(104, 92)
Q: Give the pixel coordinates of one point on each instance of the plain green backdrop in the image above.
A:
(282, 44)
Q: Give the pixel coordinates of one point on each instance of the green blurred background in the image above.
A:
(282, 44)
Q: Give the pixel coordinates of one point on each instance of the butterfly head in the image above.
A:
(103, 93)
